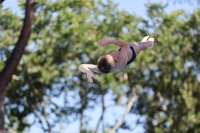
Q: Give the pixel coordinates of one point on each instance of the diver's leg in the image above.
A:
(141, 46)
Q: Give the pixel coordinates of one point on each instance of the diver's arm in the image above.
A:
(105, 42)
(85, 67)
(88, 68)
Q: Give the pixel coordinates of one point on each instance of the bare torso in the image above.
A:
(122, 57)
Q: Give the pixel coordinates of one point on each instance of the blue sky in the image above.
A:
(136, 7)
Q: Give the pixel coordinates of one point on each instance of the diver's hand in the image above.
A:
(90, 75)
(103, 42)
(151, 40)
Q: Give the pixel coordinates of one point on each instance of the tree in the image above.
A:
(13, 61)
(48, 86)
(48, 69)
(168, 87)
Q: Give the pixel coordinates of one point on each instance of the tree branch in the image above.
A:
(1, 1)
(161, 99)
(39, 119)
(103, 110)
(128, 108)
(13, 61)
(46, 117)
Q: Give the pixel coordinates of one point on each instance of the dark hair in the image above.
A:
(103, 65)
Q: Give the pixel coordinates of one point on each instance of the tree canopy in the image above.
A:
(49, 88)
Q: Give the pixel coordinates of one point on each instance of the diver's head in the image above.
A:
(105, 63)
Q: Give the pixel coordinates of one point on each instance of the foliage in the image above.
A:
(64, 35)
(49, 88)
(169, 86)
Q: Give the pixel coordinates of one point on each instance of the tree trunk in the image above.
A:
(1, 1)
(2, 130)
(13, 61)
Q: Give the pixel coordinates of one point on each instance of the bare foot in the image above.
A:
(144, 39)
(152, 41)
